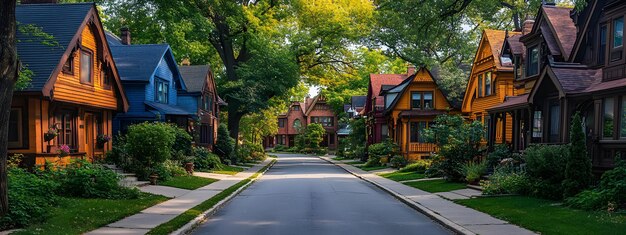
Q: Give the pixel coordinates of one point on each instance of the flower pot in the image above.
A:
(153, 179)
(189, 168)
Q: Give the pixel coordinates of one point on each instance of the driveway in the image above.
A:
(303, 194)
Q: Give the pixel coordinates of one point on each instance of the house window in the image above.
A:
(487, 126)
(162, 91)
(602, 47)
(204, 134)
(384, 131)
(618, 32)
(414, 130)
(555, 124)
(16, 130)
(608, 118)
(66, 129)
(518, 67)
(297, 124)
(488, 84)
(106, 79)
(480, 85)
(281, 122)
(533, 61)
(296, 108)
(68, 67)
(416, 100)
(623, 118)
(207, 103)
(86, 67)
(428, 100)
(537, 124)
(321, 107)
(325, 121)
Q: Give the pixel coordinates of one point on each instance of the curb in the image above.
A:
(458, 229)
(205, 215)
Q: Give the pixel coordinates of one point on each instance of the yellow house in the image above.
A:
(410, 108)
(491, 81)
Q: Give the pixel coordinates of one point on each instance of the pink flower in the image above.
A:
(64, 150)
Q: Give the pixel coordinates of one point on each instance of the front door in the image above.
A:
(90, 136)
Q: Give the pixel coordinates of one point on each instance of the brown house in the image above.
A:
(289, 125)
(75, 87)
(318, 111)
(377, 129)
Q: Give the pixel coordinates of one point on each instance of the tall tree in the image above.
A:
(8, 77)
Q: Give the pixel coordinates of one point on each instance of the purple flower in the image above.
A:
(64, 150)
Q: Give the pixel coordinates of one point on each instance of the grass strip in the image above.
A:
(188, 182)
(402, 176)
(228, 170)
(194, 212)
(436, 186)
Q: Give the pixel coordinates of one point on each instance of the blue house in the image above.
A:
(152, 82)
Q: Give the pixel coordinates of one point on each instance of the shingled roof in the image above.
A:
(564, 27)
(496, 40)
(63, 22)
(378, 80)
(194, 76)
(138, 62)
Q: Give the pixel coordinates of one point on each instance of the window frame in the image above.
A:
(530, 64)
(282, 122)
(419, 100)
(616, 50)
(557, 135)
(488, 84)
(65, 118)
(68, 66)
(480, 87)
(602, 44)
(165, 92)
(603, 121)
(19, 143)
(89, 52)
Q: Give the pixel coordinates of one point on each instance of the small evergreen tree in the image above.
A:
(225, 144)
(578, 165)
(314, 135)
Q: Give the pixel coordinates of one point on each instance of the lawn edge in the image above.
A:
(458, 229)
(191, 225)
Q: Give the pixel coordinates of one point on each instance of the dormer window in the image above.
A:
(296, 108)
(207, 103)
(86, 67)
(162, 91)
(533, 61)
(618, 39)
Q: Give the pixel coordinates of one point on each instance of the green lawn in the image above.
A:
(188, 182)
(228, 170)
(372, 168)
(79, 215)
(354, 162)
(401, 176)
(435, 186)
(548, 217)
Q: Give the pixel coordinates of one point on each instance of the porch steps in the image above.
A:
(128, 179)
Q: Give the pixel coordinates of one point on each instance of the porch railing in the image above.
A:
(422, 147)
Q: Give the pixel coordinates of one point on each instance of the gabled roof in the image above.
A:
(195, 76)
(113, 39)
(138, 62)
(569, 79)
(168, 109)
(378, 80)
(310, 106)
(402, 87)
(517, 47)
(496, 38)
(63, 22)
(557, 28)
(510, 103)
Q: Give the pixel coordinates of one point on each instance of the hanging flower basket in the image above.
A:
(50, 134)
(101, 140)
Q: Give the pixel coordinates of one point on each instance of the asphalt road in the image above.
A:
(306, 195)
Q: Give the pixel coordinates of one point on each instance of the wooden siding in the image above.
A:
(163, 71)
(68, 87)
(136, 95)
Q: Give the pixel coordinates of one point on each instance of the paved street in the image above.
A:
(306, 195)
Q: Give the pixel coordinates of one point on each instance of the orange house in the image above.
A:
(410, 108)
(75, 88)
(491, 81)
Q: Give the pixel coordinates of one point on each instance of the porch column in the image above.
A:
(408, 136)
(504, 128)
(516, 130)
(492, 130)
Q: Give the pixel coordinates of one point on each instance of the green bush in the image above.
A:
(500, 152)
(225, 145)
(578, 164)
(545, 165)
(420, 166)
(280, 147)
(473, 171)
(85, 180)
(150, 144)
(182, 144)
(503, 181)
(398, 161)
(384, 149)
(205, 160)
(610, 193)
(30, 199)
(373, 161)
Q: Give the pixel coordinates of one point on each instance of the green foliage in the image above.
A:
(386, 148)
(225, 145)
(500, 151)
(473, 171)
(205, 160)
(545, 165)
(30, 196)
(250, 152)
(458, 141)
(280, 148)
(398, 162)
(254, 127)
(609, 195)
(503, 181)
(182, 143)
(83, 179)
(373, 161)
(150, 143)
(578, 164)
(419, 166)
(314, 135)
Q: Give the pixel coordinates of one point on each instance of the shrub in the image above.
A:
(578, 165)
(150, 143)
(419, 166)
(506, 182)
(473, 171)
(182, 143)
(500, 151)
(225, 145)
(280, 147)
(31, 198)
(610, 193)
(383, 149)
(372, 161)
(545, 165)
(205, 160)
(398, 161)
(249, 152)
(83, 179)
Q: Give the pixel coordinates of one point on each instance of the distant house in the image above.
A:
(152, 83)
(377, 129)
(75, 87)
(410, 108)
(201, 98)
(356, 106)
(313, 110)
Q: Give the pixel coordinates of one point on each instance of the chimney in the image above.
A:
(125, 36)
(186, 62)
(527, 26)
(38, 2)
(410, 70)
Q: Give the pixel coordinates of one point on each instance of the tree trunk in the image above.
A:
(8, 77)
(234, 117)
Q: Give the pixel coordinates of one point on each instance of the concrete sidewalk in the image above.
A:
(152, 217)
(459, 218)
